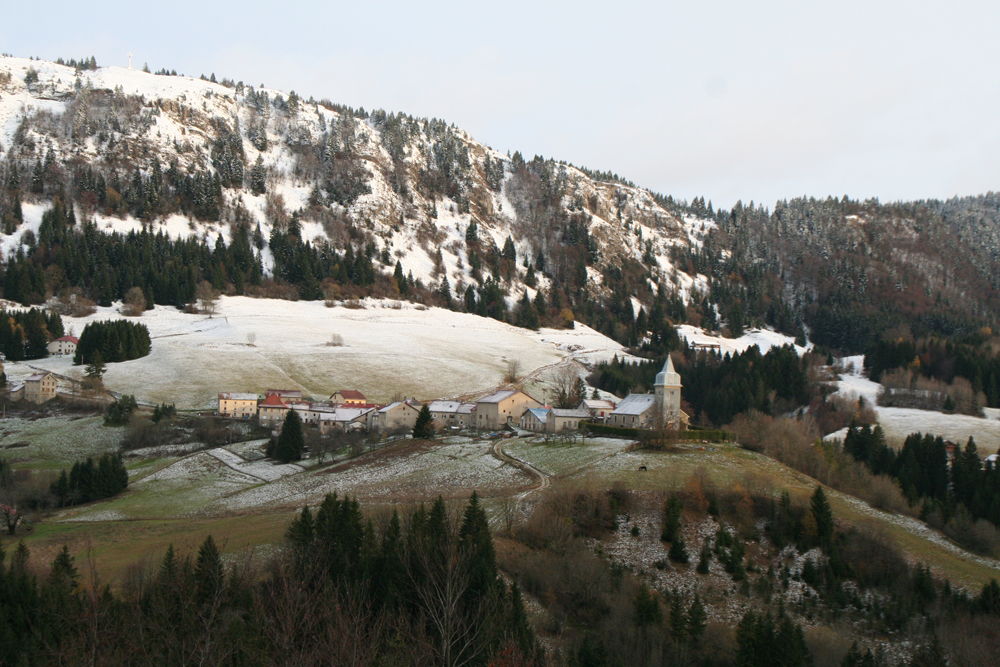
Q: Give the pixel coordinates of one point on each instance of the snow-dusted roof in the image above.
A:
(236, 396)
(541, 414)
(635, 404)
(18, 386)
(466, 408)
(343, 414)
(596, 404)
(393, 406)
(67, 339)
(497, 397)
(444, 406)
(572, 413)
(37, 377)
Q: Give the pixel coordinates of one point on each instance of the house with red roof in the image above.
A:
(64, 345)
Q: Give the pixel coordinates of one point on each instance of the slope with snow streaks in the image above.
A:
(176, 119)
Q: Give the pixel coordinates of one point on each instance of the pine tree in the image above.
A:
(678, 620)
(671, 519)
(704, 560)
(647, 608)
(291, 442)
(697, 619)
(823, 516)
(209, 577)
(423, 429)
(678, 550)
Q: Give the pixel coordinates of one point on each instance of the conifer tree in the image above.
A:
(671, 519)
(209, 577)
(697, 619)
(823, 516)
(291, 442)
(678, 620)
(646, 608)
(423, 429)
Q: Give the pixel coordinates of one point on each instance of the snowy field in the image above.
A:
(762, 338)
(901, 422)
(388, 348)
(55, 441)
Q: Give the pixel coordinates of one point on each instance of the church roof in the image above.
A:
(635, 404)
(668, 377)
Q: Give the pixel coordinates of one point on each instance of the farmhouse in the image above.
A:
(534, 419)
(503, 407)
(349, 397)
(272, 410)
(395, 415)
(451, 413)
(343, 418)
(239, 406)
(597, 409)
(40, 387)
(64, 345)
(565, 419)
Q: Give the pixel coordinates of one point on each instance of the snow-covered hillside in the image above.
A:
(127, 119)
(901, 422)
(388, 348)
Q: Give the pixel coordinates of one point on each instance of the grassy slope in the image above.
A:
(158, 522)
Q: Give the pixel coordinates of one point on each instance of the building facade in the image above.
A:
(40, 387)
(501, 408)
(237, 405)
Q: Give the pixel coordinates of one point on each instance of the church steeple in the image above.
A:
(668, 392)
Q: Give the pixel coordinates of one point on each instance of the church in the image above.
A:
(661, 408)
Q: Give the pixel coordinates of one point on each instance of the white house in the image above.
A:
(64, 345)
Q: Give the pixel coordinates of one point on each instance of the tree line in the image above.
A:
(111, 341)
(88, 480)
(419, 588)
(717, 387)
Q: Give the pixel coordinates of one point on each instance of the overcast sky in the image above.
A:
(727, 100)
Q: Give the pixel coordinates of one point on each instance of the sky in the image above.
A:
(729, 100)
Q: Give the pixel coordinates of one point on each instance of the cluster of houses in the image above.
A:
(350, 410)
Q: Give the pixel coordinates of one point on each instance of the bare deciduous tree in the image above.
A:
(513, 372)
(207, 298)
(134, 303)
(252, 338)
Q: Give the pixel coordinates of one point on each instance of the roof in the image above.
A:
(572, 413)
(393, 406)
(668, 376)
(444, 406)
(635, 404)
(235, 396)
(291, 393)
(466, 408)
(596, 404)
(18, 386)
(67, 339)
(541, 414)
(272, 401)
(343, 414)
(350, 394)
(37, 377)
(498, 397)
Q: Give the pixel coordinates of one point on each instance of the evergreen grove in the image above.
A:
(113, 341)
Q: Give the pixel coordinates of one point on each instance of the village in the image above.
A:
(508, 407)
(349, 410)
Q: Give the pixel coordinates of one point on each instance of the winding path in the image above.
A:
(496, 449)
